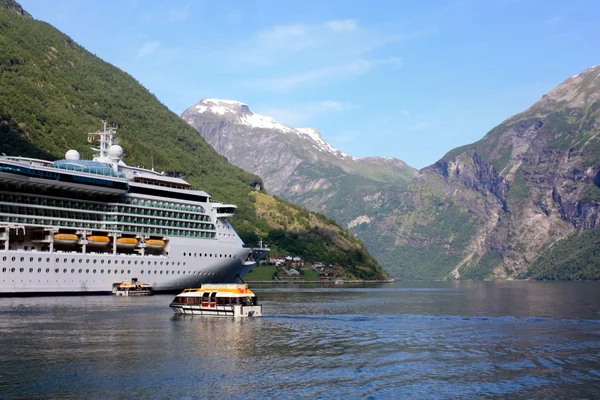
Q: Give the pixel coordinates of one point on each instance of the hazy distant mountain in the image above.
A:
(524, 201)
(298, 164)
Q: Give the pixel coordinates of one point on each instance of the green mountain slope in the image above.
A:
(516, 200)
(52, 92)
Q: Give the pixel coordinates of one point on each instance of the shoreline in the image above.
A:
(339, 281)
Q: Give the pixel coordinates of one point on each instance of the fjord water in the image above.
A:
(403, 340)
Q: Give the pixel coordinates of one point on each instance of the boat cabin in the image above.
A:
(133, 288)
(223, 300)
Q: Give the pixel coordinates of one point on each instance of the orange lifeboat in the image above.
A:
(98, 241)
(127, 243)
(155, 244)
(65, 239)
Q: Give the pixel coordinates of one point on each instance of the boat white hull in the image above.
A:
(219, 310)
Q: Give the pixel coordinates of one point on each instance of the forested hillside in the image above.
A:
(53, 92)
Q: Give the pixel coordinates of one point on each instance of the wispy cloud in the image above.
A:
(322, 75)
(148, 48)
(298, 115)
(178, 14)
(310, 43)
(343, 25)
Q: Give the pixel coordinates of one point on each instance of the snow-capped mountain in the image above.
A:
(297, 164)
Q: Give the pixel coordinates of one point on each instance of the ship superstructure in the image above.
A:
(74, 226)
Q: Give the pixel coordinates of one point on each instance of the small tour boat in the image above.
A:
(220, 300)
(133, 288)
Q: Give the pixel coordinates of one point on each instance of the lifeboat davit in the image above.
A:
(155, 244)
(65, 239)
(98, 241)
(127, 243)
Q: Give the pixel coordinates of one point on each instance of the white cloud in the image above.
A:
(148, 48)
(299, 115)
(309, 43)
(323, 75)
(178, 14)
(344, 25)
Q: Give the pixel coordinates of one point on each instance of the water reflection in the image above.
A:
(408, 340)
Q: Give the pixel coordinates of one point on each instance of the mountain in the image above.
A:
(298, 164)
(523, 202)
(53, 91)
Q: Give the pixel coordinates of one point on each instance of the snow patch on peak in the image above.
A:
(322, 144)
(242, 112)
(261, 121)
(228, 102)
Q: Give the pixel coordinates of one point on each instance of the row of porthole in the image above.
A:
(206, 255)
(94, 261)
(87, 271)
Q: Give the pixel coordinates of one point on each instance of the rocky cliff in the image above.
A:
(526, 194)
(298, 164)
(531, 183)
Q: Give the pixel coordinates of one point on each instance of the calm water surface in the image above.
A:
(406, 340)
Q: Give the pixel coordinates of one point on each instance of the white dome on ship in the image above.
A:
(72, 155)
(115, 152)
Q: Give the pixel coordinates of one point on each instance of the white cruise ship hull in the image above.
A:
(189, 263)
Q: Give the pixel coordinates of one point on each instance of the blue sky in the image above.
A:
(410, 80)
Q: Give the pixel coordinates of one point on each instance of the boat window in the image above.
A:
(141, 272)
(39, 270)
(128, 271)
(30, 269)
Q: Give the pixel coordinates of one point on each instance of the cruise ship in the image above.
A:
(77, 226)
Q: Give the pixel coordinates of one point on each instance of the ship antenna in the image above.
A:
(104, 139)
